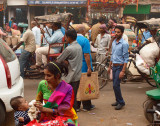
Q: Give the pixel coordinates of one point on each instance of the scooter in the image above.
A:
(152, 104)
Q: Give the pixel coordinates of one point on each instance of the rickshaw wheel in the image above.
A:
(149, 103)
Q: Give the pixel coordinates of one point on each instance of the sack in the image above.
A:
(8, 40)
(149, 53)
(15, 32)
(131, 36)
(126, 26)
(142, 66)
(131, 19)
(76, 27)
(14, 40)
(89, 87)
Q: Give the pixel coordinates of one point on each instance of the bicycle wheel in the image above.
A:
(149, 80)
(102, 75)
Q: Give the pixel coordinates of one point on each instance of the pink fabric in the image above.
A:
(57, 96)
(103, 26)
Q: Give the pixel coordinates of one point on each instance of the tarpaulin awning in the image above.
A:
(57, 2)
(142, 9)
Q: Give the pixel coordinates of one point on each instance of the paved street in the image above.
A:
(104, 114)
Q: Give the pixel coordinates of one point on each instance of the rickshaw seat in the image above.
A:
(54, 56)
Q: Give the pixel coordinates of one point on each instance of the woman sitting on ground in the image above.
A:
(60, 103)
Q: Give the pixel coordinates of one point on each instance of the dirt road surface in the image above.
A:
(104, 114)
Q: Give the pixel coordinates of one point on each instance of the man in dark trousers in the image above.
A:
(72, 55)
(119, 60)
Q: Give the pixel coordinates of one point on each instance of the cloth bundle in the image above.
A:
(149, 53)
(126, 26)
(131, 36)
(142, 66)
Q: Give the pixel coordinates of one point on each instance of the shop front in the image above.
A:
(141, 14)
(155, 11)
(17, 9)
(107, 8)
(77, 7)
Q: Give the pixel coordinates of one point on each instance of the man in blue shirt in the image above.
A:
(86, 63)
(119, 60)
(146, 34)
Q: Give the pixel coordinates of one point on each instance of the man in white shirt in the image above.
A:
(37, 34)
(102, 43)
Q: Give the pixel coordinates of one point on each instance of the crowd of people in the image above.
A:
(56, 94)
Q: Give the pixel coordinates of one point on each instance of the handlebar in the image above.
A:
(153, 111)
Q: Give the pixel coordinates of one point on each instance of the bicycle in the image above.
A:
(103, 76)
(102, 69)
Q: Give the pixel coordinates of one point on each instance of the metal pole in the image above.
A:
(4, 11)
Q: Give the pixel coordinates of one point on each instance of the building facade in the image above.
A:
(146, 9)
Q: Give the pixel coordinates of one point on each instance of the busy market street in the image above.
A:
(79, 62)
(104, 114)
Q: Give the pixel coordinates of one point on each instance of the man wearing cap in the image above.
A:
(29, 40)
(102, 42)
(55, 38)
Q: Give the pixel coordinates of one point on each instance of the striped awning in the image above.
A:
(57, 2)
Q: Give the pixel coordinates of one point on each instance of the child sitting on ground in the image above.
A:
(21, 107)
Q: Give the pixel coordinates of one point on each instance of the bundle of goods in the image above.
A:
(76, 26)
(14, 39)
(149, 53)
(131, 37)
(141, 64)
(126, 26)
(131, 19)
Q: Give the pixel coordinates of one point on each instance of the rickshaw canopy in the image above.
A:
(153, 23)
(54, 18)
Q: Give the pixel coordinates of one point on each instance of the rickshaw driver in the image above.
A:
(55, 38)
(153, 33)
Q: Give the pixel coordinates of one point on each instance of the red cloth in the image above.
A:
(59, 121)
(15, 27)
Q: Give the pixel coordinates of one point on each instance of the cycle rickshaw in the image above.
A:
(64, 18)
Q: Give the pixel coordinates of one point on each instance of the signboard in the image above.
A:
(16, 2)
(42, 2)
(155, 8)
(103, 10)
